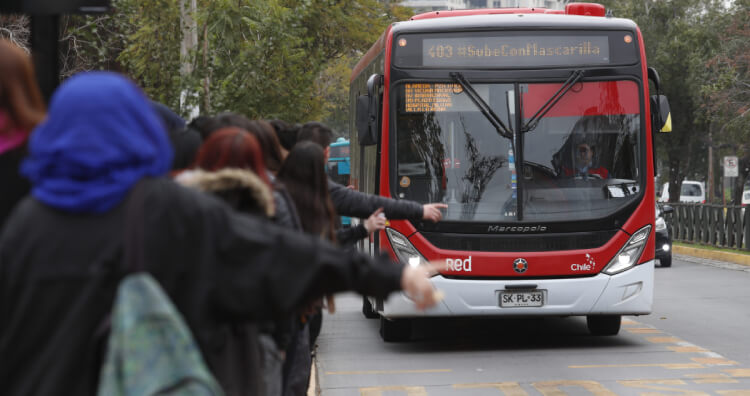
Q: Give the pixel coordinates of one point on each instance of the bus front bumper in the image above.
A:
(626, 293)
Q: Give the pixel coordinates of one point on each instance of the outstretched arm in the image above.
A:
(348, 202)
(267, 271)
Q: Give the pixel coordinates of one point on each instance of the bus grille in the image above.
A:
(519, 243)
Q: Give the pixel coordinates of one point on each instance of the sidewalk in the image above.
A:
(698, 251)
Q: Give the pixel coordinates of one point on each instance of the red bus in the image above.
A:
(535, 127)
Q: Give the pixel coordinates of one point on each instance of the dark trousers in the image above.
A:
(298, 363)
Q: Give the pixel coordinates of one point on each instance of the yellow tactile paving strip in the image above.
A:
(740, 373)
(664, 340)
(642, 330)
(686, 349)
(711, 361)
(380, 372)
(734, 392)
(712, 378)
(670, 366)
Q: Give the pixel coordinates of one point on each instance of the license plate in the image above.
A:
(530, 298)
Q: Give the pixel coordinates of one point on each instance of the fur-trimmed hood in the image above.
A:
(234, 186)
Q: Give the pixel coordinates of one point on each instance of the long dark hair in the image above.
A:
(303, 175)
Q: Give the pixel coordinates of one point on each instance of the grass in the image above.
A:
(709, 247)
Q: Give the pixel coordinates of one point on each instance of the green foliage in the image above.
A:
(333, 89)
(680, 36)
(333, 84)
(727, 90)
(256, 60)
(287, 59)
(152, 52)
(91, 42)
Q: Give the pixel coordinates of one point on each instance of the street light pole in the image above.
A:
(45, 35)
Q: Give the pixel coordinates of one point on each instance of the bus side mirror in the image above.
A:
(667, 209)
(368, 112)
(661, 117)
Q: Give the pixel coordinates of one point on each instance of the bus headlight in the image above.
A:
(660, 224)
(405, 251)
(630, 253)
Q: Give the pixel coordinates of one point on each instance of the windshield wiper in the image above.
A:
(482, 105)
(534, 120)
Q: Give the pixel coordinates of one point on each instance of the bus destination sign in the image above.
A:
(425, 97)
(515, 51)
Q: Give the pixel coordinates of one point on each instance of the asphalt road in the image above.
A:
(696, 342)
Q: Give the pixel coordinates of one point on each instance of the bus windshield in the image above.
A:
(580, 161)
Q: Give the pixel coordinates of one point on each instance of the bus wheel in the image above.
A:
(666, 261)
(603, 325)
(367, 309)
(395, 329)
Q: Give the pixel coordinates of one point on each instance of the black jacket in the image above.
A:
(348, 202)
(285, 212)
(59, 273)
(349, 236)
(239, 369)
(14, 186)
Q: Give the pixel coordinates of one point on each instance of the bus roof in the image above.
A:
(585, 9)
(535, 21)
(340, 142)
(492, 19)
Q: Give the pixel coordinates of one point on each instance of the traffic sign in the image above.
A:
(731, 166)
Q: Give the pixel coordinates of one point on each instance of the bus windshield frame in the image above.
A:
(467, 174)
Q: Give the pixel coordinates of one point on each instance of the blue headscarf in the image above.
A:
(101, 136)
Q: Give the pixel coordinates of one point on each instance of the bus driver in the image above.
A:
(585, 161)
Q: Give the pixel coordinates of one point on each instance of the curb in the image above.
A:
(736, 258)
(312, 389)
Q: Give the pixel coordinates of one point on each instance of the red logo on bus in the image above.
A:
(520, 265)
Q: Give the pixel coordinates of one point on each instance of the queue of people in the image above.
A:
(239, 228)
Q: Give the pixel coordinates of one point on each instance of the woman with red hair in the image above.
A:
(21, 109)
(231, 147)
(230, 165)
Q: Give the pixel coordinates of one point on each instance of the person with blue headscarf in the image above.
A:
(61, 252)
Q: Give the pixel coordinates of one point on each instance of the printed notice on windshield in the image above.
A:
(424, 97)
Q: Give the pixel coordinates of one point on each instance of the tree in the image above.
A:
(333, 84)
(285, 59)
(727, 90)
(679, 35)
(15, 28)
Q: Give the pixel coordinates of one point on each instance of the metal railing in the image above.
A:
(716, 225)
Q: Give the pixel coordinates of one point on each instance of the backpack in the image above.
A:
(150, 349)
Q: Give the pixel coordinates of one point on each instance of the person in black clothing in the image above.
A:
(203, 125)
(304, 177)
(185, 141)
(61, 249)
(348, 202)
(21, 109)
(262, 130)
(230, 166)
(286, 133)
